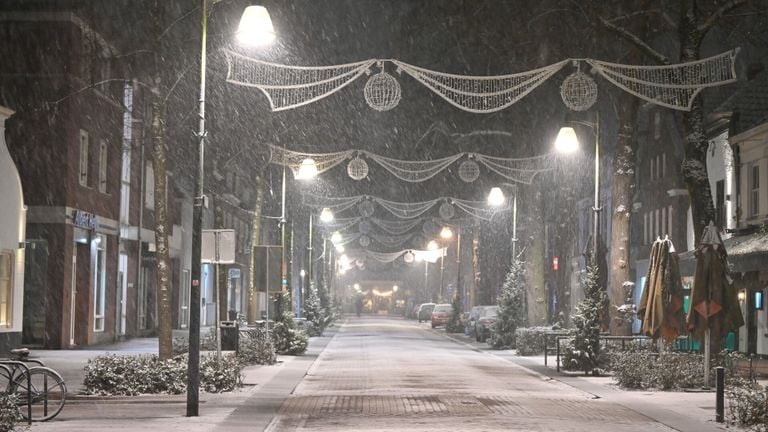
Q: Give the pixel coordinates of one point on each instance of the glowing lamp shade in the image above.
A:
(326, 215)
(496, 197)
(307, 170)
(394, 288)
(566, 141)
(255, 27)
(432, 245)
(446, 233)
(302, 273)
(339, 248)
(335, 237)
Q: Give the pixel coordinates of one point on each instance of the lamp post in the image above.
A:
(307, 171)
(432, 246)
(255, 26)
(445, 234)
(567, 142)
(496, 198)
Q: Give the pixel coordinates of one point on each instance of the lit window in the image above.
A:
(6, 288)
(100, 284)
(83, 158)
(103, 166)
(754, 200)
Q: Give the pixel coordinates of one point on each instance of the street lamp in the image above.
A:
(567, 142)
(445, 234)
(307, 169)
(496, 198)
(193, 363)
(255, 27)
(326, 215)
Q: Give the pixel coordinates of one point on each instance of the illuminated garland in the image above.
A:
(673, 86)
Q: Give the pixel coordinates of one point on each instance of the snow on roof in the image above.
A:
(748, 244)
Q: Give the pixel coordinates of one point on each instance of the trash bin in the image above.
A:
(230, 335)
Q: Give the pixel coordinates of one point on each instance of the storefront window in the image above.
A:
(6, 288)
(100, 283)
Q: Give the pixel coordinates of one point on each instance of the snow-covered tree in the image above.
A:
(314, 312)
(512, 308)
(585, 352)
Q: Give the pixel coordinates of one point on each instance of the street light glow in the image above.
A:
(340, 248)
(302, 273)
(357, 286)
(446, 233)
(432, 245)
(326, 216)
(335, 237)
(395, 288)
(255, 27)
(566, 141)
(307, 170)
(496, 197)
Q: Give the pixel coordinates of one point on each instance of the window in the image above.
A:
(657, 125)
(645, 228)
(669, 221)
(663, 225)
(100, 283)
(103, 166)
(663, 165)
(125, 174)
(653, 171)
(6, 288)
(754, 198)
(83, 158)
(720, 203)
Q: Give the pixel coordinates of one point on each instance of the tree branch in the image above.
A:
(633, 39)
(716, 15)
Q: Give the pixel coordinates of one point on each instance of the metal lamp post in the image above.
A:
(445, 234)
(496, 198)
(567, 142)
(255, 26)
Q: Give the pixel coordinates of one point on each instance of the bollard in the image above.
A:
(719, 393)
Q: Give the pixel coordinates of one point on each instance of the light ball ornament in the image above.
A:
(579, 91)
(357, 169)
(469, 171)
(364, 227)
(366, 208)
(365, 241)
(408, 257)
(447, 211)
(382, 92)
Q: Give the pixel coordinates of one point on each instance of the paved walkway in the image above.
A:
(389, 374)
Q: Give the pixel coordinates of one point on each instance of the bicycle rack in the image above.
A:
(3, 364)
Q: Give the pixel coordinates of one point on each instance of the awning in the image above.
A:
(746, 253)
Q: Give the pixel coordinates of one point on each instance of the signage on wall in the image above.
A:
(234, 273)
(85, 220)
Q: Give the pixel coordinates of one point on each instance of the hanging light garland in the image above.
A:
(402, 210)
(521, 170)
(673, 86)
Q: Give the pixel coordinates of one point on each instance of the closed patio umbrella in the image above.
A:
(715, 308)
(661, 305)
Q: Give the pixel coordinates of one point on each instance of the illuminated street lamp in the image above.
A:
(567, 143)
(336, 237)
(307, 170)
(257, 23)
(326, 215)
(496, 198)
(446, 233)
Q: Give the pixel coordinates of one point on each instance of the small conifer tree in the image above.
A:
(585, 353)
(513, 310)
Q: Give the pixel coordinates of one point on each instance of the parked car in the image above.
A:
(474, 314)
(425, 311)
(484, 322)
(441, 314)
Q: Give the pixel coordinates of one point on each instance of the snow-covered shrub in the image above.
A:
(314, 313)
(455, 324)
(220, 376)
(585, 354)
(256, 347)
(530, 340)
(9, 412)
(747, 404)
(127, 375)
(286, 336)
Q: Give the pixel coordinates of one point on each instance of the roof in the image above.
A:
(745, 253)
(748, 103)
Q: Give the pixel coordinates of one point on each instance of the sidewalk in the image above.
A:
(250, 408)
(692, 411)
